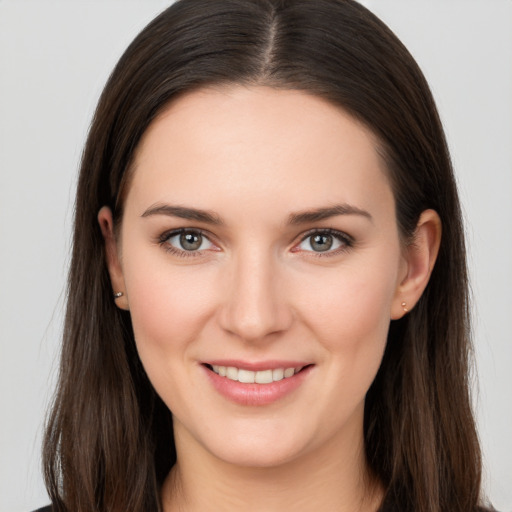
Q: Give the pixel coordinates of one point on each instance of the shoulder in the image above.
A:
(44, 509)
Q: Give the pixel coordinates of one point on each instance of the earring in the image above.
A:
(118, 294)
(404, 306)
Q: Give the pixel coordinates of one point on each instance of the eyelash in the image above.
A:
(165, 237)
(346, 241)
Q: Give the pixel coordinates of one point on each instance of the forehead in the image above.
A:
(258, 145)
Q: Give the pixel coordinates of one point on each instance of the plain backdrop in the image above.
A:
(54, 59)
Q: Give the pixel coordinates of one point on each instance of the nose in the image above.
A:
(255, 303)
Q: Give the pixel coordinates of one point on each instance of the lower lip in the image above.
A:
(256, 394)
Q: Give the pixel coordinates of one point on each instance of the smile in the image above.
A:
(255, 377)
(256, 384)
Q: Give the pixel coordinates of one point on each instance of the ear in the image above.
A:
(420, 257)
(112, 255)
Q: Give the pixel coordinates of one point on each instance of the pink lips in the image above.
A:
(256, 394)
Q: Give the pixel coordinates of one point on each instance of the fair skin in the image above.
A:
(260, 284)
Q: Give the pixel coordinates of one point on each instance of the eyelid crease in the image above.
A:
(179, 231)
(328, 231)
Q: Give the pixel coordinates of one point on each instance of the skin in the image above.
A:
(257, 290)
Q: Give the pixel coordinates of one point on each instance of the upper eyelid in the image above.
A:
(297, 239)
(328, 231)
(346, 240)
(177, 231)
(163, 240)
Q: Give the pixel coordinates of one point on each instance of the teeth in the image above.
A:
(231, 373)
(263, 377)
(289, 372)
(277, 374)
(259, 377)
(246, 376)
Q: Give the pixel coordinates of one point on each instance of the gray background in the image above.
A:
(54, 58)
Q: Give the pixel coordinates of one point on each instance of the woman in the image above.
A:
(268, 294)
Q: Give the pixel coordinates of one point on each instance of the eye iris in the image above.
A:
(321, 242)
(191, 241)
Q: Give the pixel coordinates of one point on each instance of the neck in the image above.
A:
(328, 478)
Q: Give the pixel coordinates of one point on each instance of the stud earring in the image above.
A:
(404, 306)
(118, 294)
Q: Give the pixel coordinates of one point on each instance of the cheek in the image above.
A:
(350, 316)
(354, 301)
(168, 306)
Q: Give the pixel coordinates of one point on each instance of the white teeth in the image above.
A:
(289, 372)
(246, 376)
(259, 377)
(231, 373)
(263, 377)
(278, 374)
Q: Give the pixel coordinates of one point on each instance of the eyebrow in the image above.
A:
(297, 218)
(184, 213)
(324, 213)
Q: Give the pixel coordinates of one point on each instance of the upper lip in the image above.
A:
(257, 365)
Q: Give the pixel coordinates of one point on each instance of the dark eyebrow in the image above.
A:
(183, 213)
(293, 219)
(324, 213)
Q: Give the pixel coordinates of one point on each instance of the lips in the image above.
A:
(256, 384)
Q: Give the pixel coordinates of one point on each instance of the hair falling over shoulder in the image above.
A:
(109, 440)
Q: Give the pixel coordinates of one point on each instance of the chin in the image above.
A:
(250, 443)
(252, 454)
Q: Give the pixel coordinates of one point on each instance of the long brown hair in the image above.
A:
(109, 440)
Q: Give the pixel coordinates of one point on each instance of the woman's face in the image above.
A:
(259, 240)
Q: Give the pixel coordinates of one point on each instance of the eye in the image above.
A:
(325, 241)
(186, 241)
